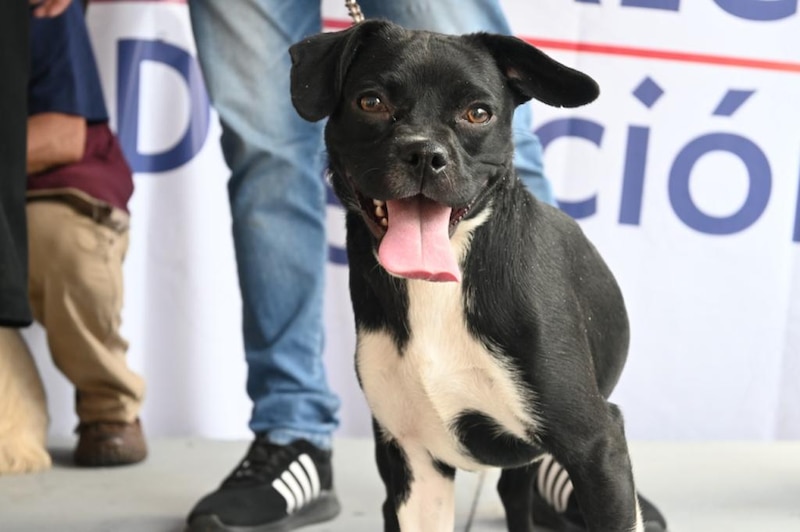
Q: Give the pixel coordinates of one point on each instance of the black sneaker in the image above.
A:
(274, 489)
(556, 508)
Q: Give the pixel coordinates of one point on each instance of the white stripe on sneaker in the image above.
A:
(544, 467)
(298, 484)
(286, 493)
(549, 483)
(553, 484)
(297, 491)
(561, 491)
(302, 479)
(311, 470)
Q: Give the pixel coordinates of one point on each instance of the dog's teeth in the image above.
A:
(378, 203)
(380, 212)
(384, 222)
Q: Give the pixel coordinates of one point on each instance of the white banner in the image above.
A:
(684, 173)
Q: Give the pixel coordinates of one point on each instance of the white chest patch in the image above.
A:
(443, 371)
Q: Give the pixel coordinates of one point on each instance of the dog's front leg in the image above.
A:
(394, 474)
(600, 470)
(430, 505)
(515, 488)
(419, 490)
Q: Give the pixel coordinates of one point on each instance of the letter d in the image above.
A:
(130, 55)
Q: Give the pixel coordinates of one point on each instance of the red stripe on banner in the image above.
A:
(137, 1)
(336, 24)
(646, 53)
(684, 57)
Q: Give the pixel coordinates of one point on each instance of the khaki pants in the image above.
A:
(75, 291)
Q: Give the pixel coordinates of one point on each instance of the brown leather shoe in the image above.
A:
(104, 444)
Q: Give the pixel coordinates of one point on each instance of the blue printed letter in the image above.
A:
(667, 5)
(762, 10)
(759, 174)
(573, 127)
(130, 55)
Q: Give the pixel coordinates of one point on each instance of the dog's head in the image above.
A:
(419, 128)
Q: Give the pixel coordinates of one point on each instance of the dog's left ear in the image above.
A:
(533, 74)
(319, 64)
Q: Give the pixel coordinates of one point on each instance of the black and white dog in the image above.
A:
(490, 331)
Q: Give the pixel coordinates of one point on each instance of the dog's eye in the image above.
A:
(372, 104)
(477, 115)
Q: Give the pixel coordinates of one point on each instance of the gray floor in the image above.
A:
(725, 487)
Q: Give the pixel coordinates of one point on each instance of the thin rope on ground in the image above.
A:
(474, 508)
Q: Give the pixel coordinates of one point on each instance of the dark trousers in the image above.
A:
(14, 52)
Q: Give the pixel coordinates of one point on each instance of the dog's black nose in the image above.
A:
(424, 156)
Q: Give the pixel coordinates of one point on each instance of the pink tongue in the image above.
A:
(417, 241)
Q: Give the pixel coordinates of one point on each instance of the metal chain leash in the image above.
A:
(354, 10)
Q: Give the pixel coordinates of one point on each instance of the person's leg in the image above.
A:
(76, 292)
(468, 16)
(277, 204)
(14, 308)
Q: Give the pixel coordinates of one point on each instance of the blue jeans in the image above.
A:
(277, 194)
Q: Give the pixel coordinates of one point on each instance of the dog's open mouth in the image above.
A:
(414, 235)
(379, 217)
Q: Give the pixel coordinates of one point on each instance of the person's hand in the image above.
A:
(49, 8)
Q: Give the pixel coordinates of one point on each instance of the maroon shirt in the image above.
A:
(102, 173)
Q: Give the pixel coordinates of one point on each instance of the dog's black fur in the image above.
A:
(407, 119)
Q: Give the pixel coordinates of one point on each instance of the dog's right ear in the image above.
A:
(319, 65)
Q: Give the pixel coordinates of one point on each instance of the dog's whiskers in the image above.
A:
(448, 177)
